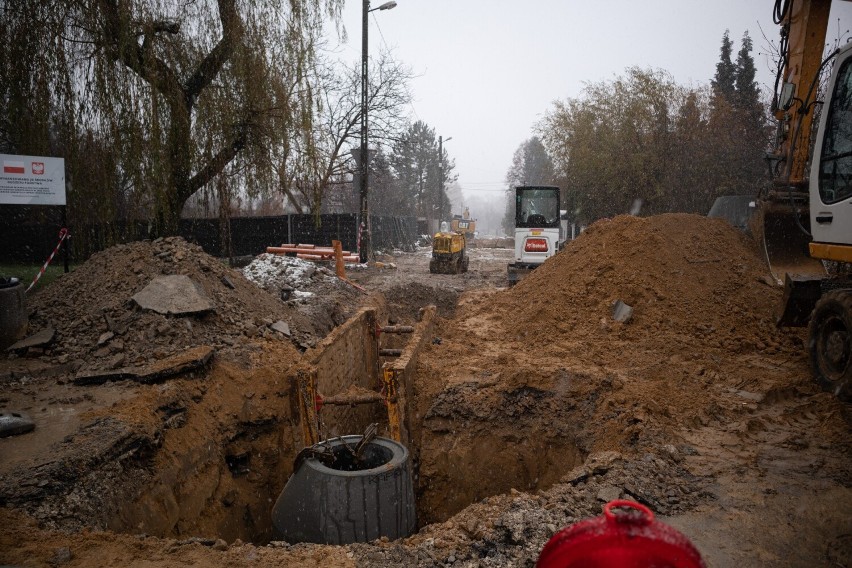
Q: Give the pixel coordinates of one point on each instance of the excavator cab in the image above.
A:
(537, 229)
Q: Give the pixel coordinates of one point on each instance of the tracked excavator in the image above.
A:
(464, 224)
(805, 221)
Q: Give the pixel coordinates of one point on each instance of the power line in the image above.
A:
(378, 27)
(491, 189)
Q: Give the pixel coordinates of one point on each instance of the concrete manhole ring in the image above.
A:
(348, 502)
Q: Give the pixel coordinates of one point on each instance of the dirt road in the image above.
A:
(532, 408)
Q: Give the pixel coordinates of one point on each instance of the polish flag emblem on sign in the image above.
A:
(13, 167)
(38, 168)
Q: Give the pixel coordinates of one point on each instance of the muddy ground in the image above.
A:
(532, 408)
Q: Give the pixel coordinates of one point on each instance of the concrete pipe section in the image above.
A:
(13, 312)
(335, 498)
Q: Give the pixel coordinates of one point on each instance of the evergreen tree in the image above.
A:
(747, 99)
(530, 166)
(416, 164)
(724, 83)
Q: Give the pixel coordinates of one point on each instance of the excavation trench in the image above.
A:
(228, 491)
(212, 459)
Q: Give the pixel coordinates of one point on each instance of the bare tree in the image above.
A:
(311, 175)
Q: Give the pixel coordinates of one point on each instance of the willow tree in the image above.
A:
(183, 92)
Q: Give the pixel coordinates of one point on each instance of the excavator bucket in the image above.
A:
(735, 209)
(783, 231)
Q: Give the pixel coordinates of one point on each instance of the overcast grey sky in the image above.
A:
(489, 69)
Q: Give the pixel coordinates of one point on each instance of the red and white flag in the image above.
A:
(13, 167)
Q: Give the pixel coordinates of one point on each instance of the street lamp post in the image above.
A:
(366, 251)
(441, 177)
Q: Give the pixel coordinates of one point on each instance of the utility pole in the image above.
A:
(366, 246)
(366, 250)
(441, 177)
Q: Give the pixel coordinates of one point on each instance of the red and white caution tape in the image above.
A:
(63, 234)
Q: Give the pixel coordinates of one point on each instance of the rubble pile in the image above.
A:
(100, 319)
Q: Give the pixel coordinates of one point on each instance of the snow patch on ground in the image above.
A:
(275, 273)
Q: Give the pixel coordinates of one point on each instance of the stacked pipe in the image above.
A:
(311, 252)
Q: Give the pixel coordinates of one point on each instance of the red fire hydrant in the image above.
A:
(626, 539)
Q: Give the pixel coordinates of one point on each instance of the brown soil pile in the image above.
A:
(690, 279)
(544, 371)
(702, 309)
(193, 451)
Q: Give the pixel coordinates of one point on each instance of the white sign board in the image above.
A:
(32, 180)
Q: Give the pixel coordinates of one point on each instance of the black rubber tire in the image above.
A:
(332, 506)
(433, 266)
(830, 343)
(465, 264)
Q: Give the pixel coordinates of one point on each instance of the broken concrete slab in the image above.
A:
(175, 294)
(105, 337)
(281, 327)
(41, 339)
(610, 493)
(596, 464)
(190, 360)
(14, 422)
(621, 312)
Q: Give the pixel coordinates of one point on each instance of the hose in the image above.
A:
(781, 11)
(782, 8)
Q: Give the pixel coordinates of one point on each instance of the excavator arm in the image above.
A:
(782, 220)
(803, 29)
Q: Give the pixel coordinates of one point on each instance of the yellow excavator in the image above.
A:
(805, 221)
(464, 224)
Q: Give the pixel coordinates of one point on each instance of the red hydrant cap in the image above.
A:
(627, 539)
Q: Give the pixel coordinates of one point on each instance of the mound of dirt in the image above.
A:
(124, 411)
(99, 327)
(684, 275)
(701, 347)
(702, 308)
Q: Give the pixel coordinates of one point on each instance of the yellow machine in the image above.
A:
(807, 220)
(464, 224)
(449, 254)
